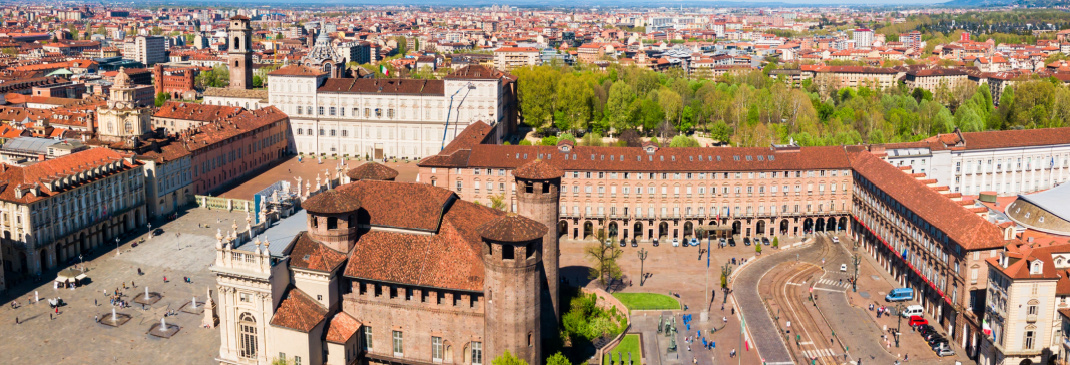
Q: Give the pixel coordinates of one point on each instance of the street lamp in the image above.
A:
(116, 246)
(899, 308)
(469, 86)
(854, 283)
(81, 262)
(642, 259)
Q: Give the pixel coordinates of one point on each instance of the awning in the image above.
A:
(717, 228)
(80, 277)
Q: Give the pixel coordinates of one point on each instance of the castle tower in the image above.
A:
(512, 255)
(239, 53)
(538, 196)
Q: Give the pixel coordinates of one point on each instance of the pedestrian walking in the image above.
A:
(132, 284)
(96, 318)
(16, 320)
(50, 316)
(95, 302)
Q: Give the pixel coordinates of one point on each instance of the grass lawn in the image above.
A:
(630, 343)
(647, 301)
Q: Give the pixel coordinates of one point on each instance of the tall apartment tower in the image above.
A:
(538, 197)
(512, 255)
(239, 53)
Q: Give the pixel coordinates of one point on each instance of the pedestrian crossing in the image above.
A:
(810, 354)
(835, 283)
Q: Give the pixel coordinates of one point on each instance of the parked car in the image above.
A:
(943, 350)
(899, 294)
(765, 241)
(917, 321)
(635, 243)
(925, 329)
(938, 341)
(693, 241)
(675, 242)
(746, 241)
(843, 267)
(835, 239)
(732, 242)
(655, 242)
(723, 242)
(623, 243)
(914, 310)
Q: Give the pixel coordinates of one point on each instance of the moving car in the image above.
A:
(843, 267)
(835, 239)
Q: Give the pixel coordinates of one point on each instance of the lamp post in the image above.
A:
(469, 86)
(81, 262)
(854, 283)
(116, 246)
(899, 328)
(642, 259)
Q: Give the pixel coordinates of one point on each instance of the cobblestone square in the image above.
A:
(72, 337)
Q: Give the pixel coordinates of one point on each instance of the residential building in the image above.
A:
(149, 50)
(508, 58)
(933, 79)
(863, 38)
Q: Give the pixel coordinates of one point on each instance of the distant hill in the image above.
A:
(1022, 3)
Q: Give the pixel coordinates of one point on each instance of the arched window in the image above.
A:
(247, 336)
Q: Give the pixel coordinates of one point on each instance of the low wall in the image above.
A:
(606, 300)
(229, 205)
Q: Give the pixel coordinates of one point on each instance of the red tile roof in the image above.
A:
(384, 86)
(12, 177)
(372, 170)
(538, 170)
(961, 226)
(296, 70)
(342, 327)
(512, 228)
(311, 255)
(332, 201)
(298, 311)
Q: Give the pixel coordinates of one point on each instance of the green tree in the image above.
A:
(558, 359)
(162, 98)
(603, 259)
(776, 242)
(721, 131)
(218, 76)
(403, 45)
(508, 359)
(498, 202)
(619, 105)
(258, 82)
(757, 247)
(574, 99)
(535, 88)
(681, 140)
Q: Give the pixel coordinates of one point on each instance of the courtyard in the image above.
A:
(183, 249)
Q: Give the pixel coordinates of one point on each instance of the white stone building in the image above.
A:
(389, 118)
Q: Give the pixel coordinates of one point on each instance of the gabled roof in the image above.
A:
(298, 311)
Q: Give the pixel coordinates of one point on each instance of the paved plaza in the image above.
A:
(72, 336)
(308, 169)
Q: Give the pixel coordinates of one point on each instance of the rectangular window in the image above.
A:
(436, 349)
(477, 353)
(319, 110)
(398, 344)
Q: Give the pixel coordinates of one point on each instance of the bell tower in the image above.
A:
(511, 260)
(239, 52)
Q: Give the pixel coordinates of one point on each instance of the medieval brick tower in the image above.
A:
(240, 54)
(538, 197)
(512, 254)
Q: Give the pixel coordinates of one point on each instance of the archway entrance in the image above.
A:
(737, 227)
(562, 228)
(783, 226)
(820, 225)
(688, 228)
(43, 259)
(588, 229)
(612, 229)
(831, 225)
(843, 224)
(760, 230)
(23, 265)
(663, 229)
(808, 225)
(637, 230)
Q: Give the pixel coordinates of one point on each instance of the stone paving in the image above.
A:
(679, 270)
(307, 168)
(72, 336)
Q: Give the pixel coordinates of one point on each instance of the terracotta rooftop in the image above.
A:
(296, 70)
(512, 228)
(538, 170)
(384, 86)
(298, 311)
(961, 226)
(342, 327)
(332, 201)
(372, 170)
(311, 255)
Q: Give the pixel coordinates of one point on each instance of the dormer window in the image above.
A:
(1035, 268)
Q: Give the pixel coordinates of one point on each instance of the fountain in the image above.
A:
(149, 298)
(163, 330)
(114, 320)
(194, 302)
(191, 307)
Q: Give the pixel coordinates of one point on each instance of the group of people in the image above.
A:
(881, 310)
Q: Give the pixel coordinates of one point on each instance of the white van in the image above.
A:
(914, 310)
